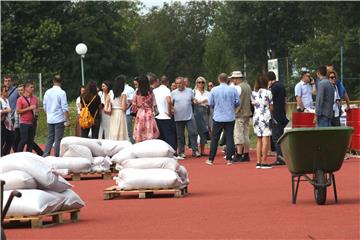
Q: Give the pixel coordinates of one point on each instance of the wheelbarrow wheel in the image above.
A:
(320, 191)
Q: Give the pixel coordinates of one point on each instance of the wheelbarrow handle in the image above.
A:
(8, 203)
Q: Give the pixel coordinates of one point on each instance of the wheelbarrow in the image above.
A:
(315, 154)
(7, 206)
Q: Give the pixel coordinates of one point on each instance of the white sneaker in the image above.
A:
(178, 158)
(209, 162)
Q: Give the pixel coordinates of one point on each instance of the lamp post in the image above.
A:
(81, 49)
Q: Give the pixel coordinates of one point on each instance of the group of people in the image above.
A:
(153, 110)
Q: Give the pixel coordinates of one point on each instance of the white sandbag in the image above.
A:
(73, 164)
(72, 200)
(148, 163)
(183, 174)
(130, 178)
(92, 144)
(78, 151)
(152, 148)
(126, 153)
(30, 163)
(111, 147)
(60, 185)
(33, 202)
(18, 180)
(101, 164)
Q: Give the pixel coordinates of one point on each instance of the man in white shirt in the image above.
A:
(129, 91)
(164, 122)
(57, 114)
(304, 91)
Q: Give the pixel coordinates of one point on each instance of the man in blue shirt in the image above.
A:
(223, 99)
(57, 114)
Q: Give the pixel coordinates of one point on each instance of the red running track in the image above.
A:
(236, 201)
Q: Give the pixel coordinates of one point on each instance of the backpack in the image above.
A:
(86, 120)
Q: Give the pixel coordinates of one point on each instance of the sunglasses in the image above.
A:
(201, 82)
(332, 77)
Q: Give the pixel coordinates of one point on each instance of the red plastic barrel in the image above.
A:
(353, 120)
(303, 119)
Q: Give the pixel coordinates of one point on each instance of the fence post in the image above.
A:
(40, 87)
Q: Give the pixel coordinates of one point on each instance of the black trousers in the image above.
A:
(7, 140)
(277, 132)
(228, 128)
(94, 130)
(27, 135)
(167, 130)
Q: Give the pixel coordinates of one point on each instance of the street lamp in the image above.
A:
(81, 49)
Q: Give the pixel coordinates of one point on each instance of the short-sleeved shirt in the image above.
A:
(279, 94)
(129, 91)
(160, 96)
(202, 97)
(94, 106)
(304, 91)
(182, 104)
(28, 116)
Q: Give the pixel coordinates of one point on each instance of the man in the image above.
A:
(279, 114)
(210, 86)
(223, 99)
(129, 91)
(341, 88)
(182, 100)
(304, 91)
(57, 115)
(186, 82)
(242, 114)
(163, 120)
(324, 99)
(13, 95)
(153, 80)
(27, 106)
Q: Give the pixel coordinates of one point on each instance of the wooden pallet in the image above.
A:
(78, 176)
(114, 191)
(43, 220)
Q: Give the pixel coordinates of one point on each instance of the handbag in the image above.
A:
(133, 110)
(107, 107)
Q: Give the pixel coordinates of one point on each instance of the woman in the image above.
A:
(335, 121)
(78, 110)
(105, 95)
(144, 101)
(6, 124)
(261, 98)
(201, 112)
(91, 99)
(118, 123)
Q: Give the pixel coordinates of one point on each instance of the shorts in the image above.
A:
(241, 131)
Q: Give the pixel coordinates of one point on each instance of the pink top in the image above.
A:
(26, 117)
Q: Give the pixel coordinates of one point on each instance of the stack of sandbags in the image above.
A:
(149, 165)
(43, 190)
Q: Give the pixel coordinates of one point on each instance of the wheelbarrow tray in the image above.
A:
(306, 150)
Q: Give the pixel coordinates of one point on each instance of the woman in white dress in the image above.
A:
(118, 123)
(105, 116)
(261, 98)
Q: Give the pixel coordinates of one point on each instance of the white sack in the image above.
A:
(33, 202)
(72, 200)
(60, 185)
(152, 148)
(30, 163)
(78, 151)
(111, 147)
(18, 180)
(130, 178)
(148, 163)
(101, 164)
(73, 164)
(126, 153)
(183, 174)
(92, 144)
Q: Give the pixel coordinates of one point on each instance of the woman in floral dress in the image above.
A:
(144, 103)
(261, 98)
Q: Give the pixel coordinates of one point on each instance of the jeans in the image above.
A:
(129, 119)
(323, 121)
(180, 128)
(27, 135)
(228, 128)
(55, 134)
(277, 132)
(167, 131)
